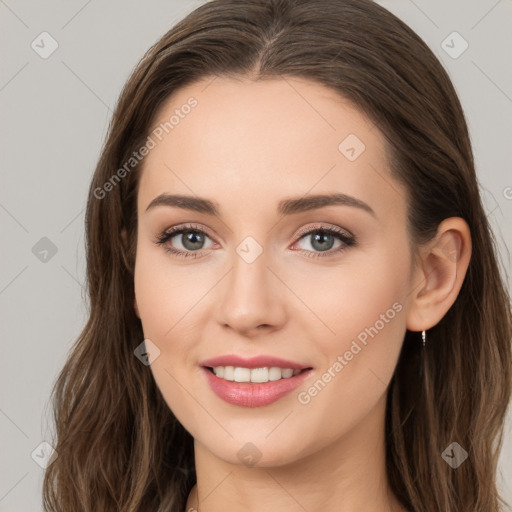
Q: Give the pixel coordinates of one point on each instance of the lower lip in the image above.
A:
(247, 394)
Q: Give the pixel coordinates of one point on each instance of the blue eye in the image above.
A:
(323, 239)
(191, 235)
(193, 238)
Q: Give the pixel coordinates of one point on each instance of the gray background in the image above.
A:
(54, 117)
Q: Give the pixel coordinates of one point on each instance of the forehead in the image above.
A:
(244, 140)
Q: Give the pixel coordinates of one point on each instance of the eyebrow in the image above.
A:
(288, 206)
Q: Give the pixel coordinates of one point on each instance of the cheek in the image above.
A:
(373, 300)
(358, 364)
(166, 297)
(163, 305)
(153, 302)
(361, 299)
(163, 295)
(365, 316)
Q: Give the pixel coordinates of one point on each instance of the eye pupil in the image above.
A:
(194, 238)
(320, 236)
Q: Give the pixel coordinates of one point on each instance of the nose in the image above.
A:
(252, 297)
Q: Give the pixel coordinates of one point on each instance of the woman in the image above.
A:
(295, 301)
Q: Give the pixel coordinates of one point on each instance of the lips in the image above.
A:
(253, 362)
(251, 394)
(248, 394)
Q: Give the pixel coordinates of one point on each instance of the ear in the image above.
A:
(124, 237)
(439, 274)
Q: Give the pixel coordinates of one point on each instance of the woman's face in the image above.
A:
(259, 278)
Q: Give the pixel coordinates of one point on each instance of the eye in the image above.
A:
(323, 238)
(191, 238)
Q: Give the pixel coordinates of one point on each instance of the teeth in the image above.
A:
(239, 374)
(242, 375)
(229, 372)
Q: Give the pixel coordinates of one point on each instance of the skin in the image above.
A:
(246, 146)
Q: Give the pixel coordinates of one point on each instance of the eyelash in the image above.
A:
(347, 240)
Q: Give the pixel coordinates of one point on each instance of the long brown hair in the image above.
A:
(119, 446)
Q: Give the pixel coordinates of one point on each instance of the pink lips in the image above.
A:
(252, 362)
(248, 394)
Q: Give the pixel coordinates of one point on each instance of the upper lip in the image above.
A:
(252, 362)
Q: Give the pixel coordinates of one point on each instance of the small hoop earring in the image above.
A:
(423, 337)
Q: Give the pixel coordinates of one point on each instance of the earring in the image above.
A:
(423, 337)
